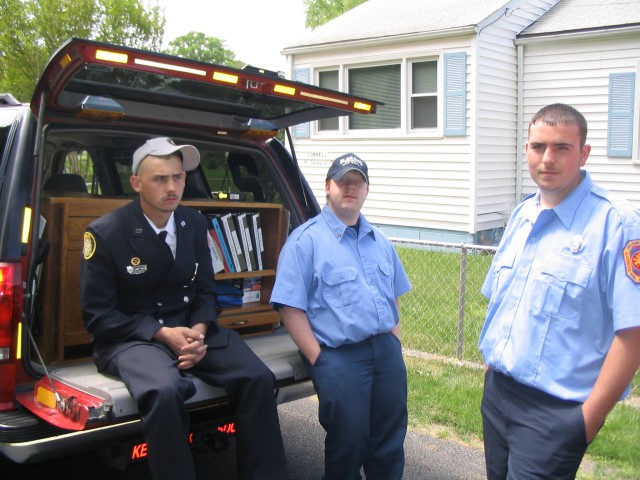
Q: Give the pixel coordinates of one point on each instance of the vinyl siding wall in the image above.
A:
(577, 72)
(421, 184)
(496, 119)
(428, 185)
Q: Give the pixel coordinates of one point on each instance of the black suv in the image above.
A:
(66, 160)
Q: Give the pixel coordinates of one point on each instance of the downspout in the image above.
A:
(519, 122)
(473, 132)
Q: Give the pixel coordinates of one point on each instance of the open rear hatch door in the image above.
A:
(90, 81)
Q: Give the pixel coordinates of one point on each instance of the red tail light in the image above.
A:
(6, 309)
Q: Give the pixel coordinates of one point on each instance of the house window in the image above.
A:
(329, 79)
(379, 83)
(424, 95)
(417, 95)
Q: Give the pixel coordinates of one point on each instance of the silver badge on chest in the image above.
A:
(135, 268)
(576, 244)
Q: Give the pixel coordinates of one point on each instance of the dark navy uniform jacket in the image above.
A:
(130, 285)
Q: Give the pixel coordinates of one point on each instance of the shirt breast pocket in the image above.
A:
(340, 287)
(385, 274)
(563, 283)
(502, 272)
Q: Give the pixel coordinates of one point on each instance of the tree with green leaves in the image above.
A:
(320, 12)
(31, 30)
(197, 46)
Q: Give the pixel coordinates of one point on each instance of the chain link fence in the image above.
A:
(444, 312)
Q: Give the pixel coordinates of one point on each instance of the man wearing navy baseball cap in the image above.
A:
(347, 163)
(337, 288)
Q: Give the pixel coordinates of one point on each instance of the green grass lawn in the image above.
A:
(444, 400)
(431, 317)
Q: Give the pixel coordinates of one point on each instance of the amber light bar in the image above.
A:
(244, 81)
(26, 225)
(225, 77)
(362, 106)
(109, 56)
(284, 89)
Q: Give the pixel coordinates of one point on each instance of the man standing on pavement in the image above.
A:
(148, 299)
(337, 288)
(562, 335)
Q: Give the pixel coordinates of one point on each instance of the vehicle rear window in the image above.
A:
(226, 172)
(99, 163)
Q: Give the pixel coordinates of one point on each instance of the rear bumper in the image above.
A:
(26, 438)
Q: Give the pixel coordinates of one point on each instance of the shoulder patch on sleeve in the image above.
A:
(89, 247)
(632, 260)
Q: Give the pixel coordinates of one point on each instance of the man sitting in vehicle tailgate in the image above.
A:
(149, 303)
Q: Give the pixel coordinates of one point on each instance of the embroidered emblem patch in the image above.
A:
(632, 260)
(89, 247)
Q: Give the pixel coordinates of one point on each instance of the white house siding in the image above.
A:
(496, 154)
(576, 71)
(439, 187)
(421, 185)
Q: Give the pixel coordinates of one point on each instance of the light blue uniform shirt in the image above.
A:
(346, 283)
(561, 284)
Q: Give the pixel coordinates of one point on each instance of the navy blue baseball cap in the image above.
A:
(347, 163)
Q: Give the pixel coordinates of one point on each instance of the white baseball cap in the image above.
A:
(165, 146)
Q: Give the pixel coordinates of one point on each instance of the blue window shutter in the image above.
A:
(620, 125)
(455, 93)
(302, 130)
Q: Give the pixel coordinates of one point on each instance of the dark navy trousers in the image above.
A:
(160, 390)
(362, 392)
(529, 434)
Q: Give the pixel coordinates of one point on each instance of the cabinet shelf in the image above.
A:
(256, 316)
(67, 219)
(255, 273)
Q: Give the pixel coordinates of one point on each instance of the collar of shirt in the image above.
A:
(338, 227)
(568, 208)
(170, 227)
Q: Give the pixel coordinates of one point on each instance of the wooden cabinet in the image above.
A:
(64, 336)
(256, 316)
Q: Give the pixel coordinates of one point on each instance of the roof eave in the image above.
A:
(590, 33)
(376, 41)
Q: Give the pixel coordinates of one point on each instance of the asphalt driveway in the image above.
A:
(427, 457)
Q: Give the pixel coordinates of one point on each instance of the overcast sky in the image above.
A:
(255, 30)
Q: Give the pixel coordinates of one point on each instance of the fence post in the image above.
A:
(461, 299)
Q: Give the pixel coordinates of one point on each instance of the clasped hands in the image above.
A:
(187, 343)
